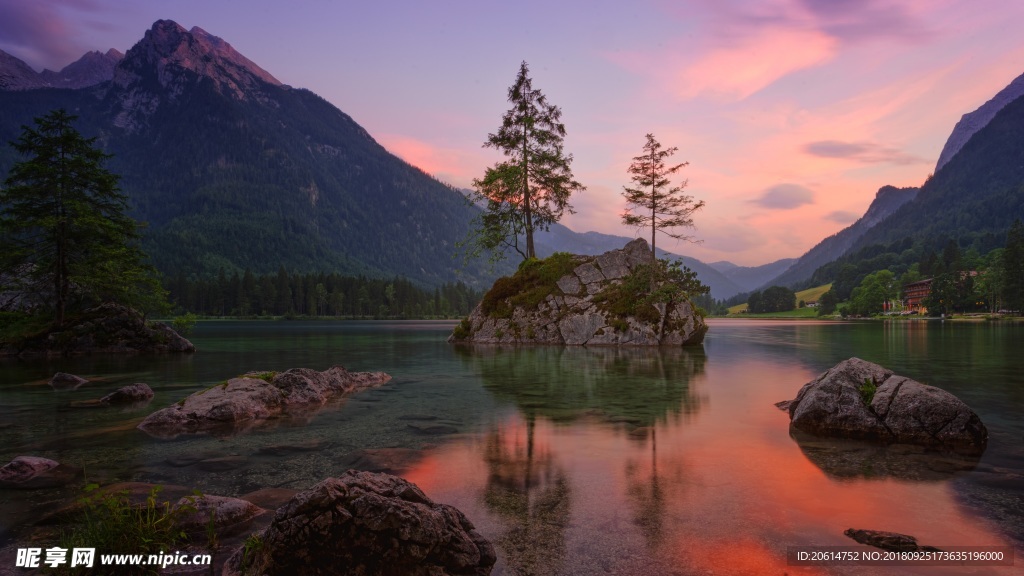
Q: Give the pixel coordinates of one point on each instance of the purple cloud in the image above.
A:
(866, 152)
(784, 197)
(38, 32)
(842, 216)
(848, 21)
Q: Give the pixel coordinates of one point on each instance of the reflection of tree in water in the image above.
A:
(635, 386)
(651, 488)
(532, 494)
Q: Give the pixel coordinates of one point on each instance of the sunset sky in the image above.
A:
(791, 113)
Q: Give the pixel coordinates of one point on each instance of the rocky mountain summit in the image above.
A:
(168, 59)
(972, 122)
(887, 200)
(585, 300)
(91, 69)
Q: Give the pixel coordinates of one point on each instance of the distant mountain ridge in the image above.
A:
(887, 200)
(753, 277)
(971, 201)
(91, 69)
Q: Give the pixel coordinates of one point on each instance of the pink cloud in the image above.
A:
(455, 166)
(753, 62)
(42, 33)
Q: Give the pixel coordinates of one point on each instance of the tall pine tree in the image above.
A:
(530, 190)
(66, 236)
(653, 202)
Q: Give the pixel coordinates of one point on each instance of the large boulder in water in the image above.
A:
(859, 399)
(585, 300)
(242, 401)
(369, 524)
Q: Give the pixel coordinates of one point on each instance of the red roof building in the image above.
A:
(914, 293)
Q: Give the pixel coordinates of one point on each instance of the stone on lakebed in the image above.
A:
(370, 524)
(256, 396)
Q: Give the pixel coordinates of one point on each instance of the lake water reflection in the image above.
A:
(574, 460)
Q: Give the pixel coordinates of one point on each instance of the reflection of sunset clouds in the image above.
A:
(725, 492)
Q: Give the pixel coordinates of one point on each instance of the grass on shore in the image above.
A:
(809, 295)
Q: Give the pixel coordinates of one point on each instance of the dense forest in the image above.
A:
(295, 294)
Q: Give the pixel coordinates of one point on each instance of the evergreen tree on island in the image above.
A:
(652, 202)
(530, 190)
(67, 240)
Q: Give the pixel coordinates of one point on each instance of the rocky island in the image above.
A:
(105, 329)
(575, 300)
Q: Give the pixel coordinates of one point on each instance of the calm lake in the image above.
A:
(571, 460)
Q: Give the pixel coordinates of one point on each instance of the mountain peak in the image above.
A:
(170, 49)
(16, 75)
(971, 122)
(91, 69)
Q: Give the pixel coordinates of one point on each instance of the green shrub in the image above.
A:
(184, 324)
(112, 524)
(534, 281)
(867, 390)
(463, 329)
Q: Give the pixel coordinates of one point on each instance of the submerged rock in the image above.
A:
(254, 397)
(892, 541)
(65, 381)
(582, 300)
(368, 524)
(859, 399)
(132, 394)
(197, 514)
(31, 472)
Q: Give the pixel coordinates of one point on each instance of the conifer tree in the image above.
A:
(652, 202)
(1013, 268)
(63, 223)
(529, 190)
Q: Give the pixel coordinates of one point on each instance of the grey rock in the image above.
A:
(637, 252)
(588, 273)
(892, 541)
(65, 381)
(901, 411)
(199, 513)
(368, 524)
(579, 328)
(33, 472)
(569, 284)
(614, 265)
(243, 401)
(131, 394)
